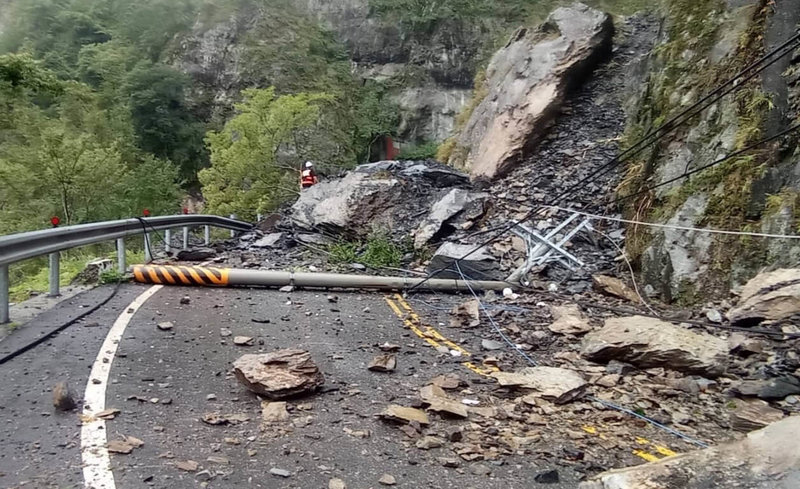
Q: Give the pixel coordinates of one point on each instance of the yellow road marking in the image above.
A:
(431, 335)
(666, 452)
(647, 456)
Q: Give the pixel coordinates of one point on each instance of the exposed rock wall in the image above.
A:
(703, 43)
(431, 74)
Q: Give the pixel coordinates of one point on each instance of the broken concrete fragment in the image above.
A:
(279, 375)
(765, 459)
(648, 343)
(243, 341)
(753, 414)
(770, 296)
(274, 412)
(387, 480)
(62, 397)
(383, 363)
(614, 286)
(558, 385)
(569, 320)
(404, 415)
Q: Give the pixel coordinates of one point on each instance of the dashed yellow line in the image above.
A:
(643, 454)
(430, 334)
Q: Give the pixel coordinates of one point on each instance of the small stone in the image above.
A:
(405, 414)
(383, 363)
(280, 473)
(243, 341)
(187, 465)
(449, 462)
(107, 414)
(62, 397)
(333, 300)
(274, 412)
(166, 326)
(336, 484)
(492, 345)
(549, 477)
(448, 381)
(480, 469)
(232, 441)
(429, 443)
(387, 480)
(609, 381)
(390, 347)
(186, 300)
(218, 460)
(225, 332)
(286, 290)
(211, 397)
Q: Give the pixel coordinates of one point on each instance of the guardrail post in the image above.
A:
(55, 274)
(185, 238)
(168, 240)
(148, 257)
(122, 267)
(233, 233)
(4, 297)
(207, 235)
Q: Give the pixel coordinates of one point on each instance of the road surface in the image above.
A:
(163, 382)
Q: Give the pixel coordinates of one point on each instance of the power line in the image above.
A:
(674, 123)
(712, 164)
(680, 228)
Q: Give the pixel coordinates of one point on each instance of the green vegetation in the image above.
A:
(378, 251)
(424, 151)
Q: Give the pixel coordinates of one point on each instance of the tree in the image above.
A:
(250, 171)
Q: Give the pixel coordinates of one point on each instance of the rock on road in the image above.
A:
(165, 382)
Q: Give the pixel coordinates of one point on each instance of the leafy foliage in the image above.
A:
(425, 151)
(249, 171)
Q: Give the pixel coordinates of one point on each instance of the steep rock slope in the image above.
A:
(701, 44)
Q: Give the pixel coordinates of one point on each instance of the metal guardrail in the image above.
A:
(23, 246)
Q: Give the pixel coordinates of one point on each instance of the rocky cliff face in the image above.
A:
(430, 74)
(702, 43)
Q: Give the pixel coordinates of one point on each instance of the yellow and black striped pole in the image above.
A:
(217, 277)
(173, 275)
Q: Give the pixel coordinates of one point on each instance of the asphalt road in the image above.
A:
(163, 382)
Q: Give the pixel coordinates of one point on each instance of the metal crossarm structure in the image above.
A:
(543, 249)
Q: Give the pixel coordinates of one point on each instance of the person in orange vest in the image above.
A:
(308, 178)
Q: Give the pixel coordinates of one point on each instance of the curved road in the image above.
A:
(163, 382)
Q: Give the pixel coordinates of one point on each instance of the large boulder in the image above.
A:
(526, 84)
(769, 296)
(389, 194)
(456, 204)
(765, 459)
(475, 264)
(647, 343)
(279, 375)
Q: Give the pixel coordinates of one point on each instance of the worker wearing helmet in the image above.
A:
(308, 178)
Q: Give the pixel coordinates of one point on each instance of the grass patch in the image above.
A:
(377, 251)
(424, 151)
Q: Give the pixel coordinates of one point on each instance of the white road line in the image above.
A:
(96, 460)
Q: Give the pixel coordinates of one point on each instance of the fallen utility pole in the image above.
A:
(217, 277)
